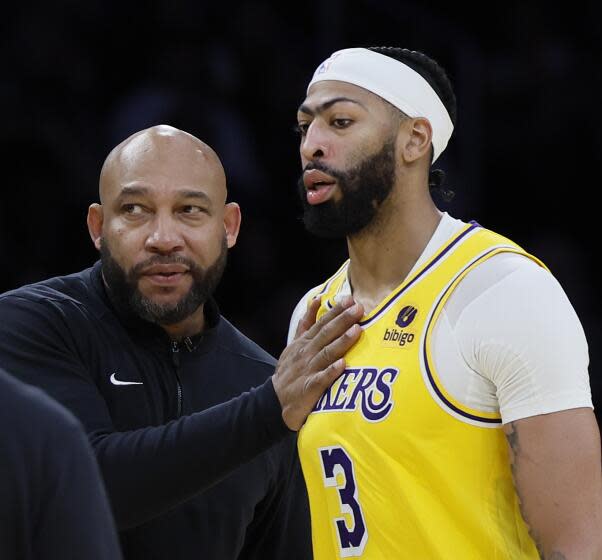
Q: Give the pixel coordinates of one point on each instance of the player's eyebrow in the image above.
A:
(326, 105)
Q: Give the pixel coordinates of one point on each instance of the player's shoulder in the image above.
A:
(316, 291)
(505, 274)
(506, 286)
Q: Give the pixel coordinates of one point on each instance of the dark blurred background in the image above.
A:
(79, 77)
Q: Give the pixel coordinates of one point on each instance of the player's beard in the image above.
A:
(363, 188)
(124, 293)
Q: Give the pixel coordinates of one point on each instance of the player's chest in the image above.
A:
(383, 381)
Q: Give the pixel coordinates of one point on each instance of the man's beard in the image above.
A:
(363, 189)
(126, 296)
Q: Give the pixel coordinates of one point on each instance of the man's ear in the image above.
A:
(95, 219)
(418, 139)
(232, 219)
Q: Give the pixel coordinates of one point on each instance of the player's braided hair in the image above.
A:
(436, 76)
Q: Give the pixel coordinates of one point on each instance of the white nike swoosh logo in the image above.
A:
(116, 381)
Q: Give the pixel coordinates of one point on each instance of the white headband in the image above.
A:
(393, 81)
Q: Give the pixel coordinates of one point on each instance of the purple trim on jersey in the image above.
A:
(416, 278)
(323, 290)
(426, 362)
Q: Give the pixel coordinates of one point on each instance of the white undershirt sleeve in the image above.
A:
(523, 335)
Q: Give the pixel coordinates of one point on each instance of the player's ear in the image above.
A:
(417, 141)
(94, 220)
(232, 220)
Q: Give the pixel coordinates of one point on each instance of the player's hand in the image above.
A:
(311, 363)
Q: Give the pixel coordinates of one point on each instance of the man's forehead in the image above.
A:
(162, 156)
(171, 173)
(169, 168)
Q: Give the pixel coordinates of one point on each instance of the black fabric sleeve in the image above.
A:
(281, 527)
(150, 470)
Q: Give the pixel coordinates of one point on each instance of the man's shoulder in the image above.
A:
(57, 291)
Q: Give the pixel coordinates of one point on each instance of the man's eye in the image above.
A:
(341, 123)
(191, 209)
(301, 128)
(132, 209)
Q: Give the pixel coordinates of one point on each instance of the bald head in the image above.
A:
(163, 153)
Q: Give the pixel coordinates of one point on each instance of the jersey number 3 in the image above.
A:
(338, 472)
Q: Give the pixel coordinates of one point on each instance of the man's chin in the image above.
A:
(167, 300)
(157, 294)
(166, 310)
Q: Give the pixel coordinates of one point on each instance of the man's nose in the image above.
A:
(315, 143)
(165, 236)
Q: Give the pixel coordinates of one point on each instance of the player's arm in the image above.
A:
(523, 334)
(557, 473)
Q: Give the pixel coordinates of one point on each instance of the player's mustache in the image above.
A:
(325, 169)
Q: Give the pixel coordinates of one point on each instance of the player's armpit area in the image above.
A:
(557, 472)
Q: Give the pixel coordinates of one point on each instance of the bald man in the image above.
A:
(136, 348)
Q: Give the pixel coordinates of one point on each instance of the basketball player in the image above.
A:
(462, 427)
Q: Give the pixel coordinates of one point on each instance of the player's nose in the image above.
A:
(315, 143)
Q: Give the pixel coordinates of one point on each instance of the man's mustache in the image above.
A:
(137, 269)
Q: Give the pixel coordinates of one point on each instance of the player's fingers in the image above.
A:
(309, 318)
(330, 353)
(340, 307)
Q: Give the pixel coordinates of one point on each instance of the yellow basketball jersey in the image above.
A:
(395, 467)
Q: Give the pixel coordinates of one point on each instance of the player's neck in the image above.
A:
(383, 255)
